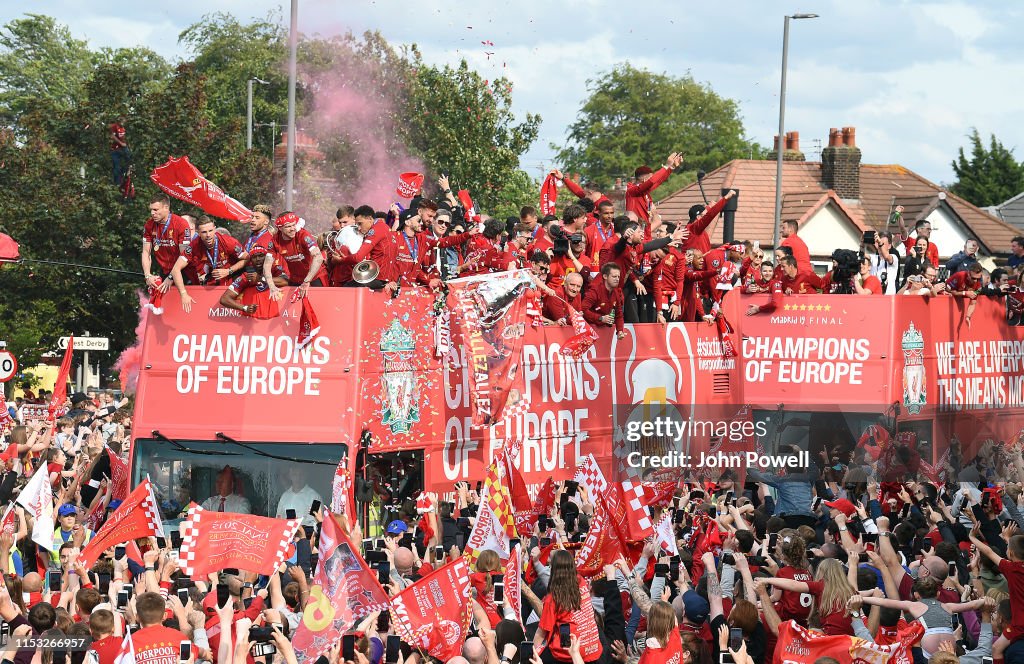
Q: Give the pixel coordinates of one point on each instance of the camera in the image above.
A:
(261, 634)
(560, 240)
(869, 238)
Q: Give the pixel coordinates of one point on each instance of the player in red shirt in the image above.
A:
(518, 248)
(379, 246)
(262, 247)
(966, 283)
(602, 305)
(300, 253)
(602, 231)
(793, 282)
(213, 256)
(700, 219)
(586, 191)
(154, 643)
(165, 237)
(248, 293)
(638, 194)
(790, 239)
(411, 250)
(556, 309)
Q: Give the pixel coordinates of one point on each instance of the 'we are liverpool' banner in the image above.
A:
(137, 517)
(490, 310)
(433, 613)
(343, 591)
(212, 541)
(180, 179)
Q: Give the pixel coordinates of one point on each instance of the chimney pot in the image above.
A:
(850, 136)
(834, 137)
(794, 141)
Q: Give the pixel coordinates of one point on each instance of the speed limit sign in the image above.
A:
(8, 365)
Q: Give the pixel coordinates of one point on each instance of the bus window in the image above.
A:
(221, 476)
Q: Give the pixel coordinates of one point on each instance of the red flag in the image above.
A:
(212, 541)
(60, 389)
(127, 653)
(120, 482)
(522, 506)
(341, 490)
(156, 297)
(545, 498)
(584, 338)
(179, 178)
(10, 453)
(467, 203)
(343, 590)
(605, 542)
(7, 524)
(513, 579)
(9, 251)
(548, 195)
(798, 645)
(137, 517)
(433, 614)
(309, 325)
(491, 302)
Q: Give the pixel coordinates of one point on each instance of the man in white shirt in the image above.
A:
(226, 500)
(299, 497)
(885, 263)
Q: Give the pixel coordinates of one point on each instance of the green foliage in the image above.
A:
(41, 66)
(990, 176)
(464, 125)
(636, 117)
(228, 53)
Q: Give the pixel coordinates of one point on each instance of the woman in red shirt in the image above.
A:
(664, 644)
(789, 604)
(831, 591)
(487, 564)
(567, 604)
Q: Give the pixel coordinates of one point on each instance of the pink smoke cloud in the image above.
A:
(129, 363)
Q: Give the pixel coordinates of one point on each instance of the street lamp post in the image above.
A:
(293, 42)
(248, 124)
(782, 121)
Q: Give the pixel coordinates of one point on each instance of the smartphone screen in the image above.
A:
(175, 539)
(384, 573)
(222, 595)
(348, 647)
(545, 541)
(119, 552)
(289, 514)
(315, 507)
(104, 585)
(438, 552)
(661, 569)
(122, 599)
(394, 648)
(499, 592)
(564, 635)
(525, 652)
(53, 579)
(183, 595)
(735, 638)
(773, 540)
(184, 651)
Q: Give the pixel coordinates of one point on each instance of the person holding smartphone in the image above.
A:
(299, 496)
(567, 611)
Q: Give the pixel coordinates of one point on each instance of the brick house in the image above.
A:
(839, 198)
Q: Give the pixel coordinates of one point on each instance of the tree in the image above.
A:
(634, 117)
(991, 176)
(40, 64)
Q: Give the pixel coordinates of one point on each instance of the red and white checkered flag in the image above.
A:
(137, 517)
(584, 338)
(213, 541)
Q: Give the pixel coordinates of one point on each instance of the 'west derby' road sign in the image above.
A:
(86, 343)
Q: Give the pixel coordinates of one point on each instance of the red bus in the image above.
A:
(218, 389)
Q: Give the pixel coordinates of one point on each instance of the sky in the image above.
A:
(912, 76)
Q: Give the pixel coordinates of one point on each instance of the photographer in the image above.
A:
(885, 260)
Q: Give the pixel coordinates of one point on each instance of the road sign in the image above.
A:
(86, 343)
(8, 365)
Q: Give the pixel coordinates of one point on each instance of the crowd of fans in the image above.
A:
(846, 550)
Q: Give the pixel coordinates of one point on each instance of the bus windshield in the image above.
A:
(223, 476)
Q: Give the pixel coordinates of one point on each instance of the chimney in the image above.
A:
(776, 148)
(840, 163)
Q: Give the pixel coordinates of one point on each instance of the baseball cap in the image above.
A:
(67, 509)
(843, 505)
(397, 527)
(695, 607)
